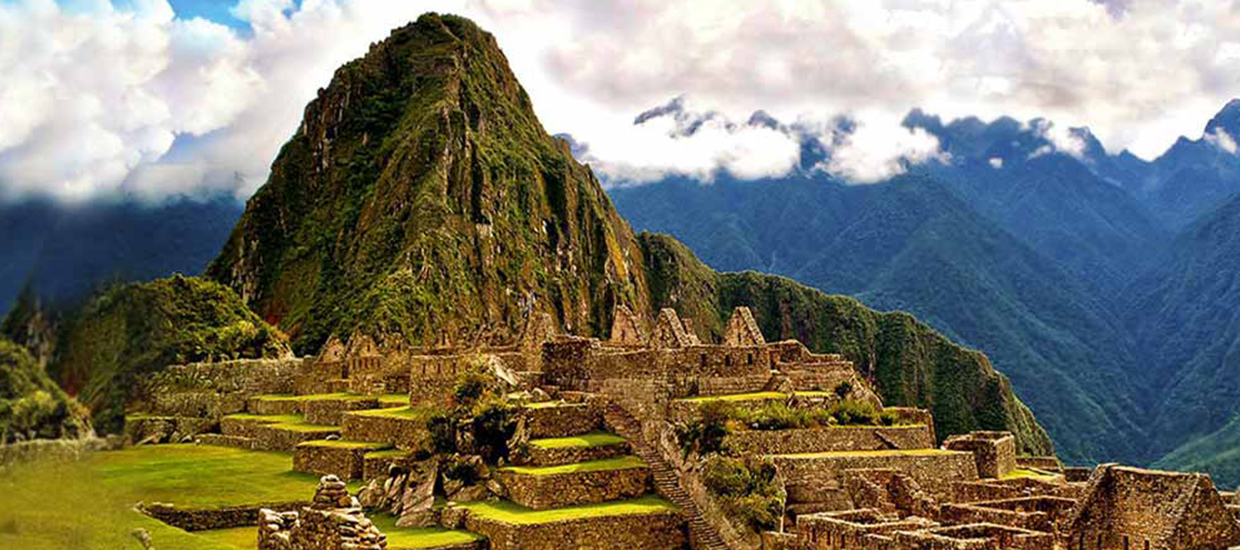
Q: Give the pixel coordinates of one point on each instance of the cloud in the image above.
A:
(872, 151)
(100, 100)
(1221, 139)
(1061, 138)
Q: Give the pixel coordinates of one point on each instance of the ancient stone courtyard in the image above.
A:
(555, 441)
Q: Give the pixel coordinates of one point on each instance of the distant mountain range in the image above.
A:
(63, 253)
(1104, 285)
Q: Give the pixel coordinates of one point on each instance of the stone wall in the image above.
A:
(660, 531)
(995, 452)
(213, 390)
(343, 460)
(214, 518)
(1040, 513)
(333, 521)
(166, 429)
(1020, 487)
(405, 433)
(847, 438)
(1045, 463)
(542, 492)
(329, 411)
(934, 471)
(850, 530)
(974, 536)
(562, 420)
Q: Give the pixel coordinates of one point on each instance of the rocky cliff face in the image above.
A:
(422, 198)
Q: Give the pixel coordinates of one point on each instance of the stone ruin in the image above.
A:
(891, 487)
(334, 521)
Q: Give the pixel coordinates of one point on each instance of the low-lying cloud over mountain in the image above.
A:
(139, 98)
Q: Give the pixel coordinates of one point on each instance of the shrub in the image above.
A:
(494, 423)
(470, 387)
(442, 429)
(855, 413)
(748, 490)
(843, 389)
(705, 434)
(463, 471)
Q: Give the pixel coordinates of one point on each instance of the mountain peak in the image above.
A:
(1228, 119)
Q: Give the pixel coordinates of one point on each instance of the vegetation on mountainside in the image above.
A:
(911, 364)
(32, 406)
(436, 203)
(104, 349)
(1186, 311)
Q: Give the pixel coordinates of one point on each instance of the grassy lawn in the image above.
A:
(241, 538)
(409, 539)
(594, 439)
(509, 512)
(291, 422)
(88, 504)
(618, 463)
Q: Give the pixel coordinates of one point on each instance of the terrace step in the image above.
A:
(560, 419)
(342, 458)
(321, 408)
(376, 464)
(569, 450)
(543, 488)
(402, 427)
(274, 433)
(648, 523)
(666, 481)
(221, 440)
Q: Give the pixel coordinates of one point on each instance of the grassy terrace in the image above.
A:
(593, 439)
(345, 444)
(386, 399)
(1029, 473)
(552, 404)
(618, 463)
(859, 454)
(394, 412)
(755, 396)
(389, 453)
(291, 422)
(509, 512)
(88, 504)
(409, 539)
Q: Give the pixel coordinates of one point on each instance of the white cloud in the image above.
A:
(996, 163)
(1062, 139)
(100, 100)
(1221, 139)
(875, 151)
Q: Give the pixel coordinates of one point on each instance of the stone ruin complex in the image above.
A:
(889, 486)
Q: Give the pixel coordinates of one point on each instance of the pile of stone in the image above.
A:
(334, 521)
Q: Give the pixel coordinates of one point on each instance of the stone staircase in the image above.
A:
(702, 534)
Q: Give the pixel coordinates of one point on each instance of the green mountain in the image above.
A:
(912, 245)
(32, 406)
(99, 351)
(1184, 310)
(421, 196)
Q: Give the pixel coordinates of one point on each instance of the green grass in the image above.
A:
(1028, 473)
(389, 453)
(618, 463)
(857, 454)
(594, 439)
(395, 412)
(87, 504)
(385, 399)
(509, 512)
(241, 538)
(409, 539)
(345, 444)
(736, 397)
(290, 422)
